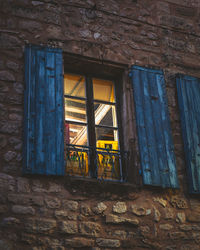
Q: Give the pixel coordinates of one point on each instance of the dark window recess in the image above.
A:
(92, 128)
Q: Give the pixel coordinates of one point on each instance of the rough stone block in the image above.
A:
(23, 185)
(6, 76)
(144, 230)
(79, 242)
(177, 235)
(7, 182)
(8, 41)
(10, 127)
(52, 202)
(23, 199)
(54, 188)
(108, 243)
(139, 210)
(54, 32)
(169, 213)
(161, 201)
(157, 215)
(4, 87)
(166, 227)
(15, 117)
(13, 65)
(180, 217)
(176, 22)
(69, 227)
(18, 88)
(100, 208)
(38, 187)
(40, 225)
(119, 234)
(115, 219)
(186, 227)
(120, 207)
(10, 221)
(189, 247)
(23, 210)
(70, 205)
(163, 7)
(65, 214)
(9, 156)
(89, 228)
(85, 210)
(178, 202)
(30, 26)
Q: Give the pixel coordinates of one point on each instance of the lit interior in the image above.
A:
(76, 121)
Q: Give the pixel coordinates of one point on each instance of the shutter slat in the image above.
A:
(169, 162)
(26, 159)
(32, 108)
(188, 89)
(141, 130)
(155, 140)
(50, 113)
(197, 129)
(150, 128)
(40, 99)
(193, 116)
(41, 114)
(160, 147)
(59, 118)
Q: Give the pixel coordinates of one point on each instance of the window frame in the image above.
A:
(117, 81)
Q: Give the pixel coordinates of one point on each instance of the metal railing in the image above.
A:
(102, 163)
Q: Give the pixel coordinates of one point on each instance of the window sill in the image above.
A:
(82, 186)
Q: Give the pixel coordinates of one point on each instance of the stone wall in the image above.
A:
(40, 212)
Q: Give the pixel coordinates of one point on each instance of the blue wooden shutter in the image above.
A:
(188, 89)
(153, 127)
(43, 118)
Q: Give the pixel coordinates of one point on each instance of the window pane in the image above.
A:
(74, 85)
(77, 162)
(75, 110)
(105, 115)
(107, 138)
(108, 161)
(108, 165)
(103, 90)
(76, 134)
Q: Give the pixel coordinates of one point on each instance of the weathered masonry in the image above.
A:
(99, 124)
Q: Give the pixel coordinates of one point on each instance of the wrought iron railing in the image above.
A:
(104, 164)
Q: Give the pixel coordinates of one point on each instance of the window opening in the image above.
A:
(92, 135)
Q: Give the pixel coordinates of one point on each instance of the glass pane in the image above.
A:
(108, 165)
(108, 161)
(74, 85)
(75, 110)
(105, 115)
(106, 138)
(76, 134)
(103, 90)
(77, 162)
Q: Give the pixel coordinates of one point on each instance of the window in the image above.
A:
(91, 128)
